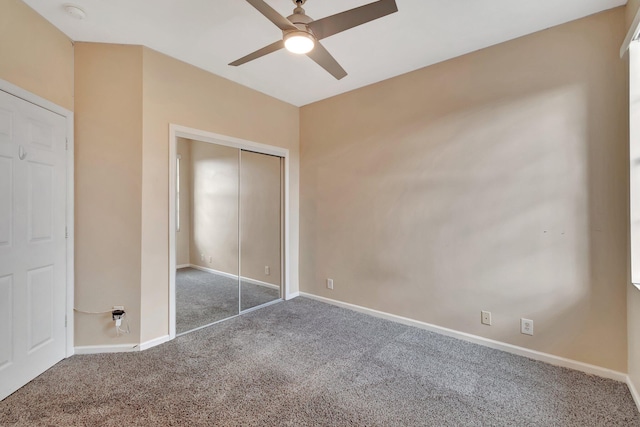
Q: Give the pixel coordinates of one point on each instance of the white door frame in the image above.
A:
(177, 131)
(25, 95)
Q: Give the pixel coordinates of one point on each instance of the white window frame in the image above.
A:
(178, 166)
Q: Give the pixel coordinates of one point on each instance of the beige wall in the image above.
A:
(493, 181)
(214, 206)
(633, 294)
(630, 12)
(175, 92)
(122, 174)
(219, 182)
(108, 168)
(183, 237)
(260, 205)
(35, 55)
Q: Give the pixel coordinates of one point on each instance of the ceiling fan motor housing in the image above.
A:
(300, 20)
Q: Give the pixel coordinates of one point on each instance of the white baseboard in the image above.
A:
(259, 283)
(509, 348)
(154, 342)
(120, 348)
(211, 270)
(178, 267)
(97, 349)
(634, 392)
(233, 276)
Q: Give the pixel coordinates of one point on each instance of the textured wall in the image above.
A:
(35, 55)
(630, 12)
(214, 206)
(260, 208)
(226, 194)
(633, 294)
(493, 181)
(108, 143)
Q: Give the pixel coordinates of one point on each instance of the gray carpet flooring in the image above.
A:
(305, 363)
(203, 298)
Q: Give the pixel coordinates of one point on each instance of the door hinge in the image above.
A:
(66, 144)
(66, 232)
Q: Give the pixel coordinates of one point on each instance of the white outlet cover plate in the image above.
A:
(526, 326)
(485, 318)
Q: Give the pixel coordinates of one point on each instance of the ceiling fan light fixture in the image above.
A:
(299, 42)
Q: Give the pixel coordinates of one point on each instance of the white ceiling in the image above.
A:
(211, 33)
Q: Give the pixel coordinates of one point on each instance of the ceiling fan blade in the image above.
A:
(339, 22)
(273, 16)
(323, 58)
(259, 53)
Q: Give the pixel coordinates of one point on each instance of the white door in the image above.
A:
(32, 241)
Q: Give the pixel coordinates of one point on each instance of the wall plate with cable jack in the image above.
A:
(117, 314)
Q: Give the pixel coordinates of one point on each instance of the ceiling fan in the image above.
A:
(302, 35)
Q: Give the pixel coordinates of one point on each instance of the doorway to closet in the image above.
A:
(228, 223)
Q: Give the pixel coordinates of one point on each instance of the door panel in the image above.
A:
(41, 134)
(207, 239)
(6, 201)
(260, 229)
(40, 189)
(40, 285)
(6, 318)
(32, 241)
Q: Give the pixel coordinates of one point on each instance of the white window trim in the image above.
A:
(178, 169)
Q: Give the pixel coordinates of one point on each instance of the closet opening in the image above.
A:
(227, 227)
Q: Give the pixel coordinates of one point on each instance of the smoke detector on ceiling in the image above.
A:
(75, 11)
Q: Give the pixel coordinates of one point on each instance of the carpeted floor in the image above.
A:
(254, 295)
(203, 298)
(305, 363)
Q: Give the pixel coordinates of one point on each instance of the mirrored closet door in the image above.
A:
(207, 239)
(229, 224)
(260, 229)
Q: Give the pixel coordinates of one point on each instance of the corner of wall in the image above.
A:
(108, 138)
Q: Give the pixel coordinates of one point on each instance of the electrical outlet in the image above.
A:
(526, 326)
(485, 317)
(201, 257)
(117, 314)
(267, 270)
(329, 283)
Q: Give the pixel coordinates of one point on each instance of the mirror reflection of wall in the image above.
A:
(228, 232)
(260, 228)
(207, 240)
